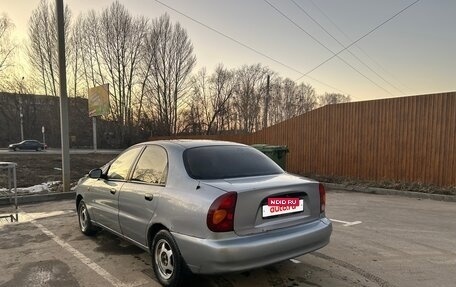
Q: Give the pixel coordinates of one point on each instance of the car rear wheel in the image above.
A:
(168, 264)
(85, 225)
(38, 149)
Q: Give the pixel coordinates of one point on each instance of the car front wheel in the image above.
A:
(85, 225)
(169, 267)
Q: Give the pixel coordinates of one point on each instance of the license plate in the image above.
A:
(269, 211)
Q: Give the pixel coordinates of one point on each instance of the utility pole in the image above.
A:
(64, 127)
(266, 105)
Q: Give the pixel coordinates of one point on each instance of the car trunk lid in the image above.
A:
(252, 214)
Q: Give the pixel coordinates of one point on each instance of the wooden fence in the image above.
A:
(409, 139)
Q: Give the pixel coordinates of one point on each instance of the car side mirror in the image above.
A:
(95, 173)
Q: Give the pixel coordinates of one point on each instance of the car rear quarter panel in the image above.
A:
(184, 209)
(184, 203)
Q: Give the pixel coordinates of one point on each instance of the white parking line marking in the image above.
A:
(89, 263)
(295, 261)
(346, 223)
(39, 215)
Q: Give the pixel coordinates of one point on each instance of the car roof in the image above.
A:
(189, 143)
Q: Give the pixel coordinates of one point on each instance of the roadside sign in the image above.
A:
(99, 101)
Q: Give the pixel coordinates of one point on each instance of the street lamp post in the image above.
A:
(20, 109)
(44, 137)
(22, 121)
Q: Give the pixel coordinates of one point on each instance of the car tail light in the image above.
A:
(220, 217)
(321, 189)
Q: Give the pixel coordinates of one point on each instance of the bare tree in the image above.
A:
(199, 108)
(6, 45)
(289, 98)
(231, 101)
(275, 109)
(192, 119)
(148, 66)
(11, 79)
(120, 40)
(75, 61)
(250, 93)
(333, 98)
(297, 99)
(306, 99)
(211, 95)
(91, 62)
(223, 84)
(43, 43)
(106, 48)
(170, 55)
(15, 82)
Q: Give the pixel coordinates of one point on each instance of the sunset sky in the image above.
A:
(412, 54)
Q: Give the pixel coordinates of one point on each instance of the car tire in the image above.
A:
(39, 149)
(169, 266)
(85, 224)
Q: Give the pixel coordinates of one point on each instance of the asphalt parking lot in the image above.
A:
(377, 240)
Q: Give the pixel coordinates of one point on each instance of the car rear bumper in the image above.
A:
(209, 256)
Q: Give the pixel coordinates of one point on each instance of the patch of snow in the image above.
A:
(50, 186)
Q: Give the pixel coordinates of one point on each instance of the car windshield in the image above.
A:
(219, 162)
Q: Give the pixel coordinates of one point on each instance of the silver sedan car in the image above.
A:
(204, 206)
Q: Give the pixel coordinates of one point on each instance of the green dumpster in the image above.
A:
(275, 152)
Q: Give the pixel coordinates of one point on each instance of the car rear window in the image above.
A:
(219, 162)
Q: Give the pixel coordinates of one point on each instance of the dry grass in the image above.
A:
(398, 185)
(33, 169)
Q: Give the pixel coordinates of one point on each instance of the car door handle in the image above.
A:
(148, 197)
(112, 191)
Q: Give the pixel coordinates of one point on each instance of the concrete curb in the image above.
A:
(384, 191)
(34, 198)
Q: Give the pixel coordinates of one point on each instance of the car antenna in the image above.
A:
(198, 185)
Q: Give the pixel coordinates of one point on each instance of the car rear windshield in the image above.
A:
(219, 162)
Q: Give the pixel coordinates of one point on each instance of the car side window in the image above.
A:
(152, 166)
(121, 166)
